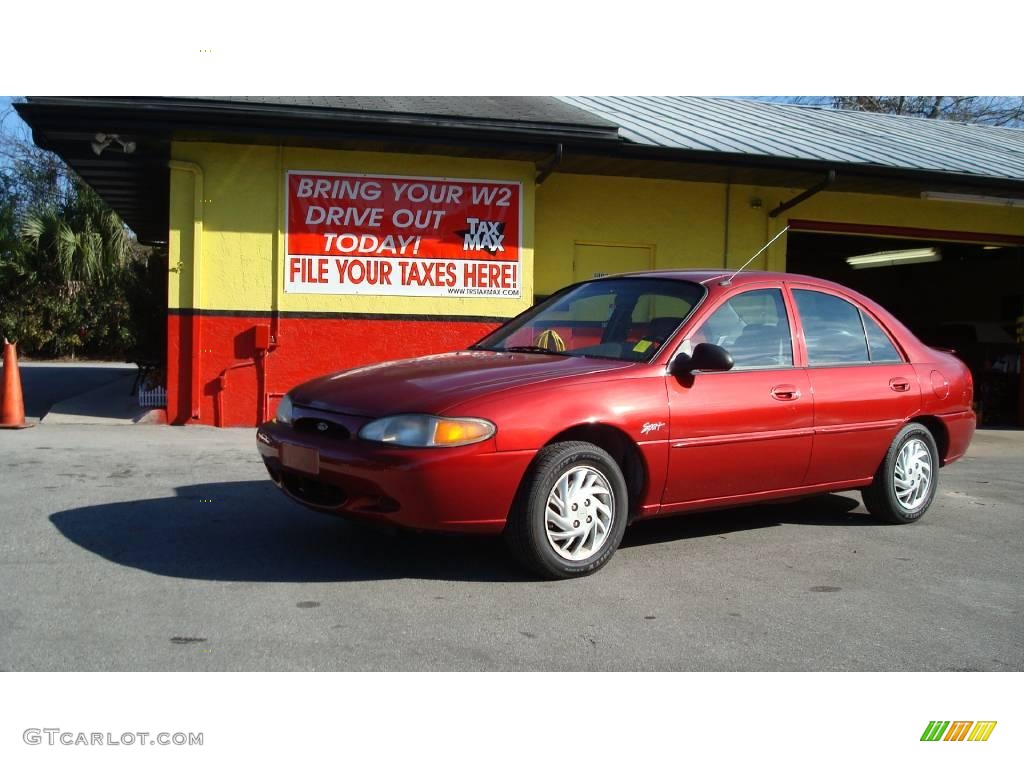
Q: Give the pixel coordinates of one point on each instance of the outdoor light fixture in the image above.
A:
(104, 140)
(1009, 202)
(894, 258)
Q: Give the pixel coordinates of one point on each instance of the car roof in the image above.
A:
(708, 277)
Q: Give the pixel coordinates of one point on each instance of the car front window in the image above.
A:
(627, 318)
(753, 328)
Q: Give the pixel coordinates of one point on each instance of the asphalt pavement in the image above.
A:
(166, 548)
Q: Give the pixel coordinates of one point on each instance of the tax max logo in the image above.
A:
(958, 730)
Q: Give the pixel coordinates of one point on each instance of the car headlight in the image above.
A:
(284, 411)
(420, 430)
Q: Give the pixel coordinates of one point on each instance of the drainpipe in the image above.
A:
(222, 385)
(197, 249)
(275, 308)
(550, 165)
(725, 237)
(811, 192)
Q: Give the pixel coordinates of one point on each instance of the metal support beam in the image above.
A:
(549, 167)
(811, 192)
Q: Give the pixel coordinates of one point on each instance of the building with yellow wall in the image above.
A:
(599, 186)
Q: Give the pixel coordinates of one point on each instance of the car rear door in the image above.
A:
(747, 430)
(864, 390)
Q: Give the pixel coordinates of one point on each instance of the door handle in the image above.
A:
(785, 392)
(899, 384)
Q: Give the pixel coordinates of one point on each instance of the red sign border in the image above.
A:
(287, 212)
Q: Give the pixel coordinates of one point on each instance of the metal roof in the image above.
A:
(798, 132)
(689, 138)
(520, 109)
(137, 185)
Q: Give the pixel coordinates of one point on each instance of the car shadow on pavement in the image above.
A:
(247, 531)
(827, 509)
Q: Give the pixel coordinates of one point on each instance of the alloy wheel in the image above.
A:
(579, 513)
(912, 474)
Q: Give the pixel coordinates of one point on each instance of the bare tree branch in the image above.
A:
(1005, 111)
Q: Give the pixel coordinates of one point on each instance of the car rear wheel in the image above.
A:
(570, 513)
(905, 484)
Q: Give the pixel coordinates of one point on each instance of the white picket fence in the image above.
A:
(153, 398)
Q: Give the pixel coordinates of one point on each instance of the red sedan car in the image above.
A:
(630, 397)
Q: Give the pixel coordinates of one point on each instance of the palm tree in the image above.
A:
(83, 241)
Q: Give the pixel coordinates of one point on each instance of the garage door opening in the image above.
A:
(968, 297)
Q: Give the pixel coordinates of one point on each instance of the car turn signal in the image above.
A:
(461, 432)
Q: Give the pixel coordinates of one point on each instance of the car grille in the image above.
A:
(323, 428)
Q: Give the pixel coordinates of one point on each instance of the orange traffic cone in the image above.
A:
(12, 404)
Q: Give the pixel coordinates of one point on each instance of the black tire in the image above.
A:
(881, 498)
(527, 529)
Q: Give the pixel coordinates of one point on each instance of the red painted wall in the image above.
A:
(234, 380)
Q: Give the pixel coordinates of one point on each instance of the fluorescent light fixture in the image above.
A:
(1008, 202)
(894, 258)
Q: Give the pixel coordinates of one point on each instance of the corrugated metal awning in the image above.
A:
(806, 133)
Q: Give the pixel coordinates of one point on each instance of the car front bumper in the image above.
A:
(467, 489)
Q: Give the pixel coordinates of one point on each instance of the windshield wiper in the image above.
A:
(538, 350)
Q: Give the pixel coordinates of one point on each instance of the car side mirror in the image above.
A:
(705, 357)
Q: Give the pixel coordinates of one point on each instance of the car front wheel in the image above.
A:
(570, 513)
(905, 483)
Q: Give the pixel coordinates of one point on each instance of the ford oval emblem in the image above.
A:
(323, 426)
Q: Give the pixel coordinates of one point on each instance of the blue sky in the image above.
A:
(11, 121)
(11, 124)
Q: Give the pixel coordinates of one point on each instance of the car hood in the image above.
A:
(436, 383)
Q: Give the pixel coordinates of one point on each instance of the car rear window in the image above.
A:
(880, 347)
(832, 329)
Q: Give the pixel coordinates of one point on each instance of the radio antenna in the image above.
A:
(762, 250)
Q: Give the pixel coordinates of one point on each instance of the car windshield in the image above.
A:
(626, 318)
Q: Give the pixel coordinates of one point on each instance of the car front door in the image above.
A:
(747, 430)
(864, 390)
